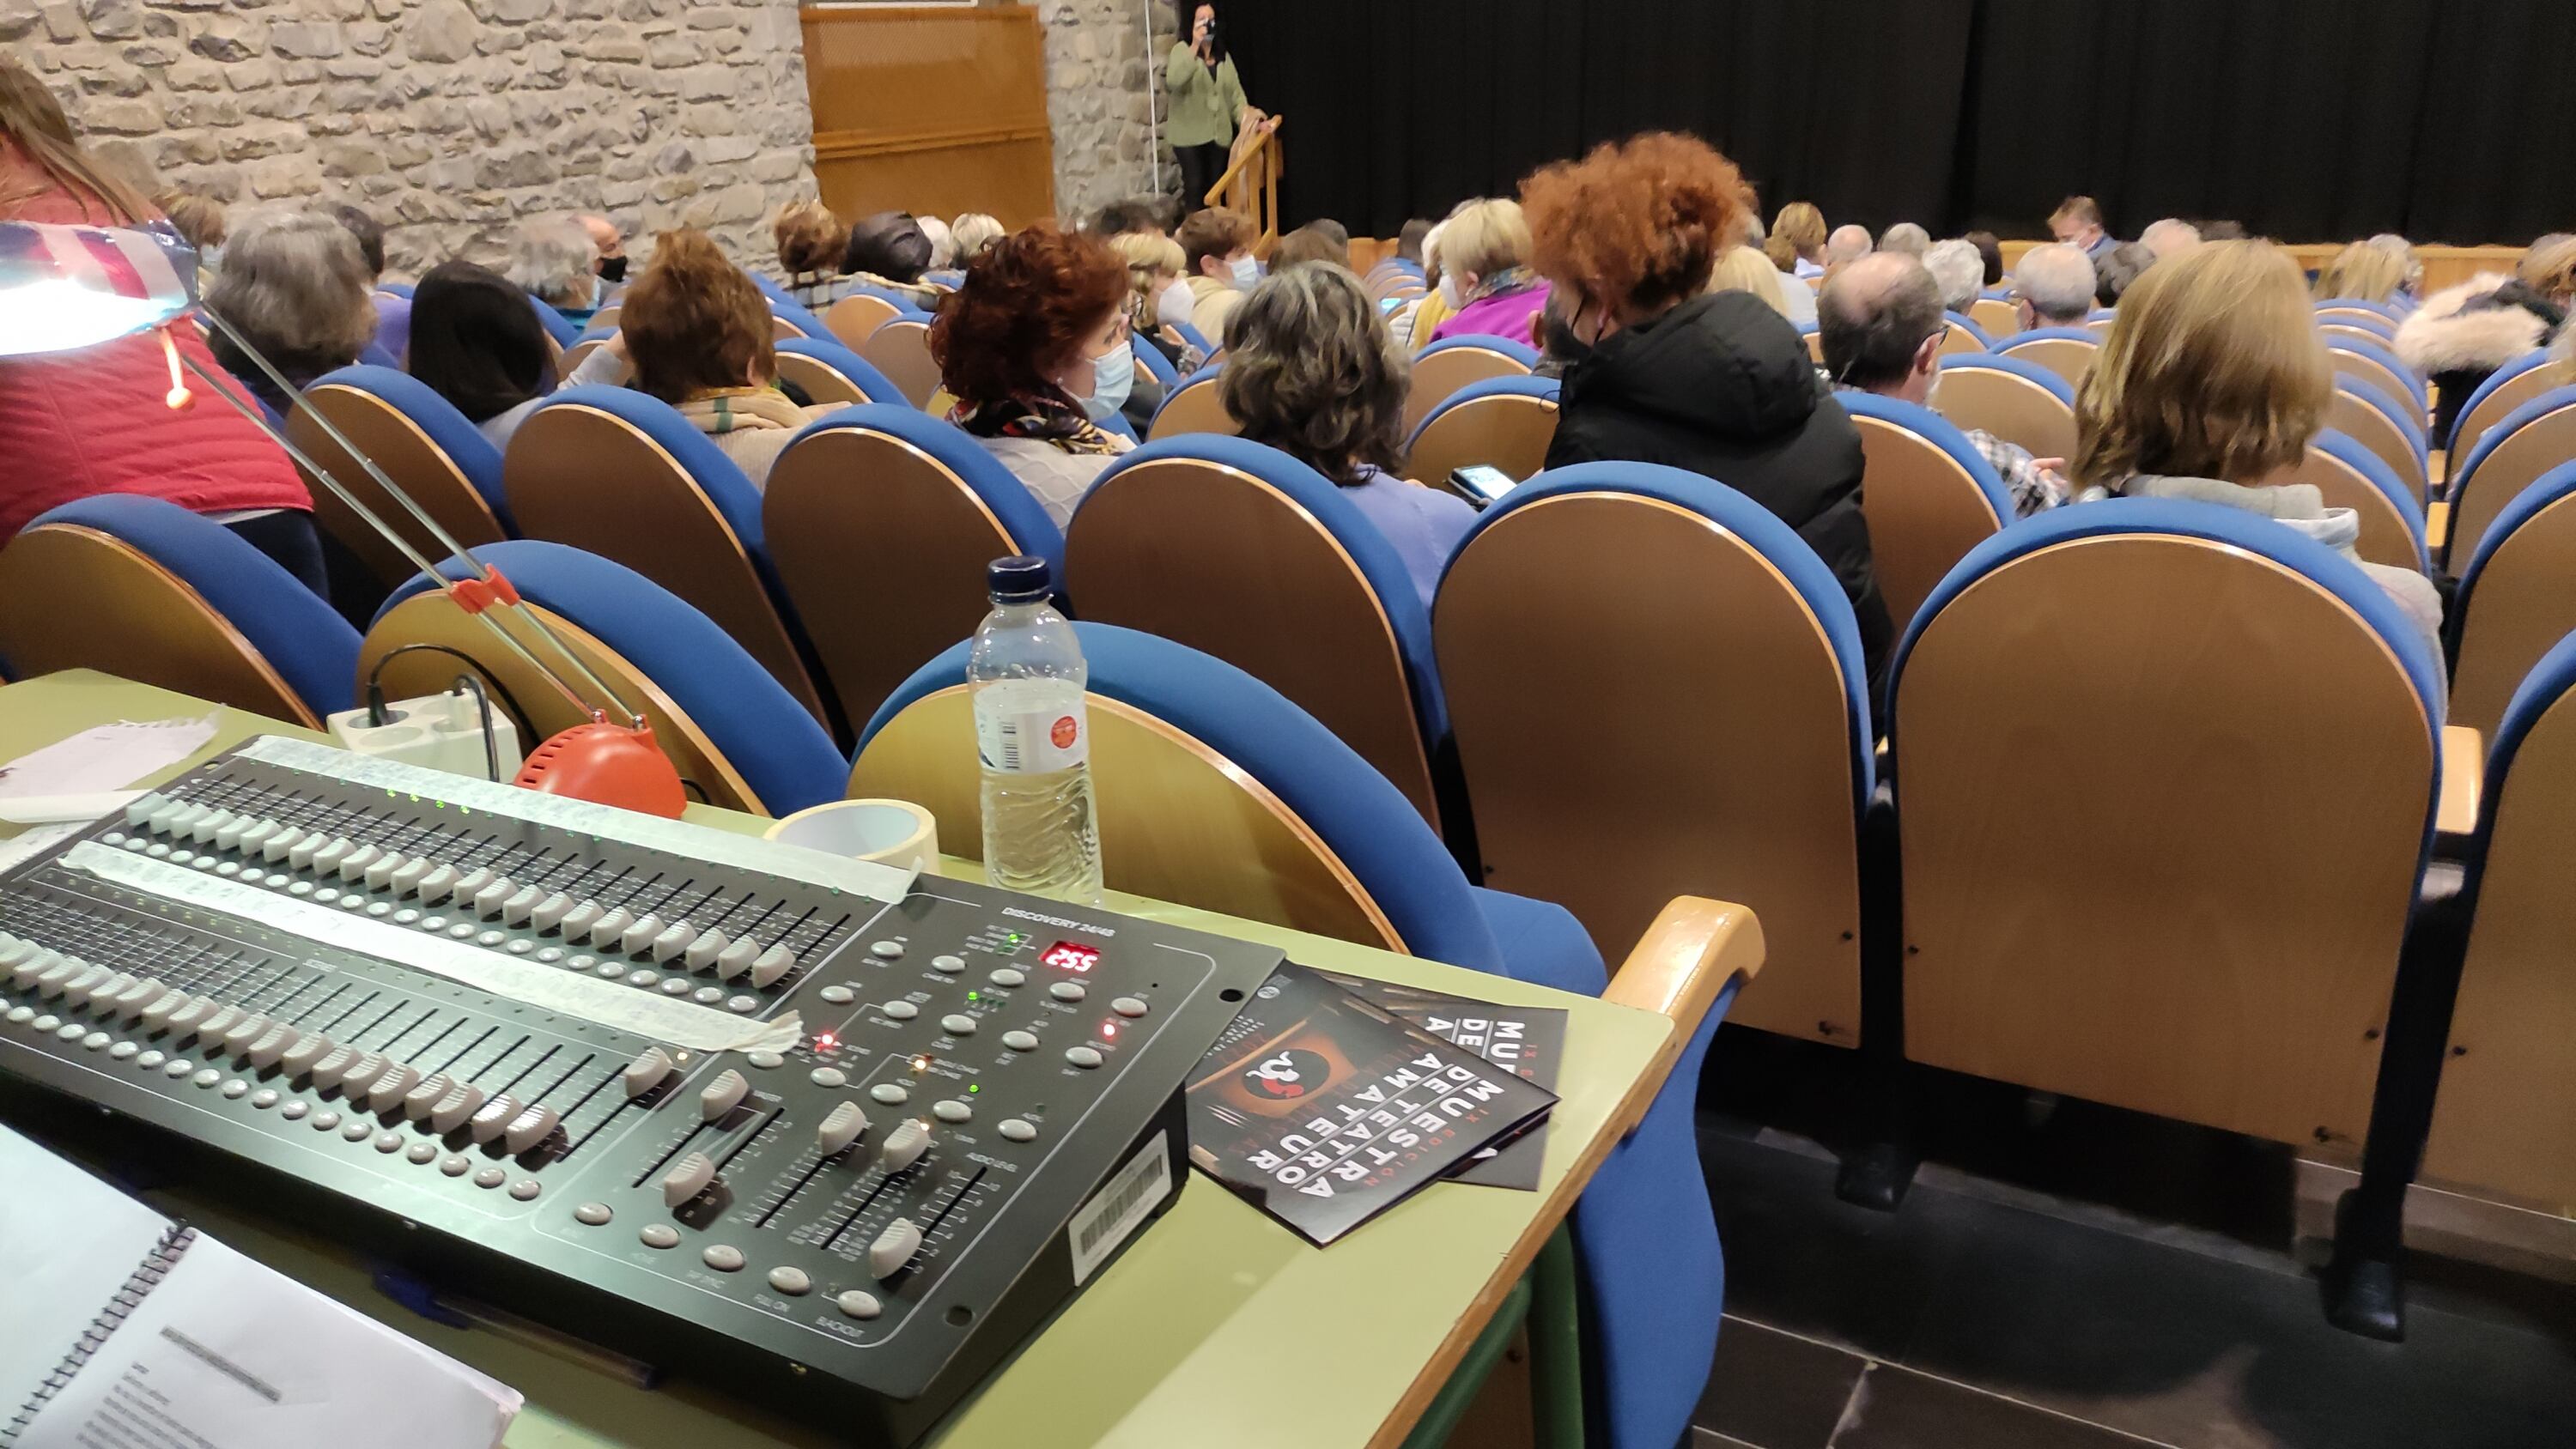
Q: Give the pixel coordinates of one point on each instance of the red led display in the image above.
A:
(1071, 956)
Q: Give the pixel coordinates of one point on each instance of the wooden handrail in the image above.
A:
(1259, 185)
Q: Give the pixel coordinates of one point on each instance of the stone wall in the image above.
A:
(1100, 101)
(449, 120)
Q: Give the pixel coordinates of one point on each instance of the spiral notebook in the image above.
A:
(124, 1328)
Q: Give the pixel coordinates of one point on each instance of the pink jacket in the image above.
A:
(1506, 316)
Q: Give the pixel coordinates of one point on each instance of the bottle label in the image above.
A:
(1031, 732)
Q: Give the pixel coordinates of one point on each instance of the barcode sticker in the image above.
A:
(1113, 1214)
(1031, 727)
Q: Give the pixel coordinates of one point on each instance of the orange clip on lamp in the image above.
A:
(63, 288)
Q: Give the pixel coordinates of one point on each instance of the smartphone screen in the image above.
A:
(1480, 484)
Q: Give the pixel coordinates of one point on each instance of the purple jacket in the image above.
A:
(1506, 316)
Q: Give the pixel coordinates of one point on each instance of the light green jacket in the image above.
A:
(1204, 102)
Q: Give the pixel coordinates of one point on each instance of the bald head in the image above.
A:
(1905, 237)
(2170, 237)
(2055, 284)
(1881, 324)
(1848, 243)
(608, 244)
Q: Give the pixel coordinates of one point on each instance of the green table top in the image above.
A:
(1219, 1327)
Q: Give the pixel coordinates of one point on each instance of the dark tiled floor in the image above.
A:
(2064, 1276)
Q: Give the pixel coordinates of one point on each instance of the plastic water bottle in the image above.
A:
(1025, 676)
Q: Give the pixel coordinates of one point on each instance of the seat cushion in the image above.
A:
(1542, 943)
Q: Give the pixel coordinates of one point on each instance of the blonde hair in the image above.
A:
(2213, 369)
(1803, 225)
(1151, 257)
(971, 233)
(2362, 273)
(2551, 271)
(1484, 237)
(1742, 269)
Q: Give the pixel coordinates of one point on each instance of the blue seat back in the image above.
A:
(2482, 410)
(561, 328)
(2355, 303)
(1499, 422)
(2509, 457)
(2207, 707)
(1930, 496)
(795, 314)
(2013, 398)
(1245, 553)
(2392, 517)
(1968, 324)
(743, 721)
(2020, 340)
(142, 587)
(439, 460)
(2028, 371)
(1195, 338)
(2387, 360)
(2067, 351)
(2399, 416)
(1193, 407)
(830, 352)
(2513, 603)
(1520, 352)
(1150, 359)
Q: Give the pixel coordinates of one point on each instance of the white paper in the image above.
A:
(68, 1242)
(105, 757)
(227, 1353)
(35, 841)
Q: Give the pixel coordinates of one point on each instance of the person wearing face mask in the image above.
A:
(1036, 336)
(1714, 382)
(1881, 323)
(611, 265)
(1216, 248)
(1485, 280)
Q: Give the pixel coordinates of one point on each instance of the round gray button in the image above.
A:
(742, 1003)
(490, 1177)
(901, 1011)
(207, 1077)
(374, 908)
(827, 1077)
(123, 1050)
(949, 964)
(859, 1305)
(71, 1031)
(177, 1067)
(520, 946)
(1068, 991)
(389, 1142)
(767, 1059)
(886, 950)
(149, 1060)
(21, 1015)
(236, 1089)
(675, 986)
(96, 1041)
(491, 938)
(891, 1094)
(421, 1154)
(1015, 1130)
(582, 961)
(838, 995)
(1020, 1041)
(790, 1281)
(549, 955)
(463, 930)
(357, 1129)
(1009, 976)
(707, 995)
(656, 1235)
(433, 923)
(525, 1189)
(642, 978)
(958, 1024)
(609, 970)
(1129, 1006)
(1082, 1056)
(264, 1098)
(952, 1110)
(293, 1110)
(454, 1165)
(596, 1214)
(406, 916)
(723, 1257)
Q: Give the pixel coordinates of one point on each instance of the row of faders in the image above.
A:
(719, 1104)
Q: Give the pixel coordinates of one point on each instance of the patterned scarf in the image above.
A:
(1503, 284)
(1049, 416)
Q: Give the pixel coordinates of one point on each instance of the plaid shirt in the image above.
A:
(2034, 489)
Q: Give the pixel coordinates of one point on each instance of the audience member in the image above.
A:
(1802, 226)
(1849, 243)
(1333, 231)
(1484, 273)
(1881, 325)
(609, 246)
(2535, 256)
(2222, 230)
(1905, 237)
(1217, 245)
(1742, 269)
(1797, 298)
(2413, 265)
(812, 239)
(199, 219)
(1309, 243)
(698, 333)
(943, 248)
(1715, 383)
(1408, 242)
(1958, 271)
(475, 342)
(2115, 267)
(971, 232)
(2169, 237)
(2361, 273)
(1131, 214)
(393, 312)
(2209, 387)
(1413, 323)
(98, 420)
(2463, 333)
(2078, 220)
(1153, 268)
(297, 289)
(1019, 347)
(1313, 373)
(1990, 255)
(2053, 286)
(888, 252)
(554, 260)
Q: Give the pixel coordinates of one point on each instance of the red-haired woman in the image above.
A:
(1715, 382)
(1021, 347)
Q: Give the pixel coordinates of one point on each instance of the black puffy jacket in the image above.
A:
(1722, 385)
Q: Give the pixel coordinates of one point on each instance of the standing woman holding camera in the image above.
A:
(1206, 101)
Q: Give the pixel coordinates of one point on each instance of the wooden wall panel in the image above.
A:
(931, 109)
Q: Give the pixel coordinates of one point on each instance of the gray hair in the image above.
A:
(295, 284)
(1905, 237)
(1875, 315)
(2057, 281)
(1311, 370)
(971, 233)
(1960, 270)
(943, 245)
(1849, 242)
(553, 260)
(2169, 237)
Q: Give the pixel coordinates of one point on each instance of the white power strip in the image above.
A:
(438, 732)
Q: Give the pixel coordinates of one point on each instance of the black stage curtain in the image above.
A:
(2309, 120)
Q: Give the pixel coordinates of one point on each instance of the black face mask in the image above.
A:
(612, 269)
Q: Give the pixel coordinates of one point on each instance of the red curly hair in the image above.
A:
(1638, 224)
(693, 321)
(1027, 303)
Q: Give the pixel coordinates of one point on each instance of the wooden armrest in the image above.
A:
(1686, 958)
(2437, 522)
(2464, 769)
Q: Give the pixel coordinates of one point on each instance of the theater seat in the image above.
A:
(2517, 598)
(2392, 515)
(561, 328)
(1964, 336)
(2066, 351)
(1192, 407)
(2166, 783)
(2509, 457)
(1216, 792)
(2013, 398)
(2371, 361)
(832, 375)
(900, 349)
(1657, 689)
(726, 724)
(144, 589)
(1997, 317)
(2099, 321)
(438, 459)
(793, 319)
(2506, 388)
(855, 318)
(1444, 367)
(2386, 427)
(881, 521)
(1501, 422)
(1151, 361)
(1930, 496)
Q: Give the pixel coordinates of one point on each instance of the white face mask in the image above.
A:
(1449, 292)
(1113, 376)
(1247, 272)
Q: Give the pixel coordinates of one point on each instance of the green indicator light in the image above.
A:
(973, 1087)
(974, 996)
